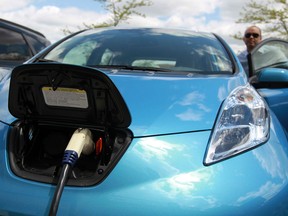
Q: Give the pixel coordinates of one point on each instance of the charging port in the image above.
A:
(36, 152)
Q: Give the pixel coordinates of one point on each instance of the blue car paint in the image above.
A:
(277, 100)
(250, 182)
(183, 96)
(165, 175)
(4, 89)
(186, 101)
(273, 75)
(277, 97)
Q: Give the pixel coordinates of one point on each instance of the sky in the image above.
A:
(50, 17)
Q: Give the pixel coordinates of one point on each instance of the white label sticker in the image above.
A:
(65, 97)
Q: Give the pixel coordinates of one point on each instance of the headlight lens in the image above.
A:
(242, 124)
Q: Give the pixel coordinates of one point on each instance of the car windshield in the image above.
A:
(145, 49)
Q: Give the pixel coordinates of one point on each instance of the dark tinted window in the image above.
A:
(13, 46)
(37, 44)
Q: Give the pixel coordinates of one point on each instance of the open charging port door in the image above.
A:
(50, 101)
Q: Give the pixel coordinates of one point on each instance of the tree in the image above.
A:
(120, 10)
(273, 15)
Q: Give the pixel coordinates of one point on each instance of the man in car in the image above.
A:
(251, 38)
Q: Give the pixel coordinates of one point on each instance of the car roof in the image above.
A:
(174, 31)
(20, 28)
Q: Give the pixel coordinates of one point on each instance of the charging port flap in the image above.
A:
(66, 93)
(51, 102)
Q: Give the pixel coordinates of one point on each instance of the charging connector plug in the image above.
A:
(80, 142)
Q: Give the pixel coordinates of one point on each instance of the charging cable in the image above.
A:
(80, 142)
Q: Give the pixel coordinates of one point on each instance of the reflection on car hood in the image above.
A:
(5, 115)
(4, 71)
(161, 104)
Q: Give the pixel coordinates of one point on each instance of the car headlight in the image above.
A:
(242, 124)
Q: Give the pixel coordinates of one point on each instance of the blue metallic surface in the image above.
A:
(160, 103)
(277, 100)
(151, 179)
(164, 174)
(273, 75)
(4, 93)
(185, 101)
(4, 71)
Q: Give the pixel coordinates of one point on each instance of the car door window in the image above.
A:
(270, 53)
(37, 43)
(13, 46)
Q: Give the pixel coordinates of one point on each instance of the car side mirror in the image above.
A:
(273, 75)
(270, 78)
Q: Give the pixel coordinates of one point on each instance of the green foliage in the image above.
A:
(120, 11)
(273, 14)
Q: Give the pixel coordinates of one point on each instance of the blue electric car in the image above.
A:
(145, 121)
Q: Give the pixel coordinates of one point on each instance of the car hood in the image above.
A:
(4, 71)
(161, 104)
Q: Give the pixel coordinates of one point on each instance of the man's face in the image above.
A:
(252, 37)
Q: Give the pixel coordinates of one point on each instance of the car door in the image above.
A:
(268, 72)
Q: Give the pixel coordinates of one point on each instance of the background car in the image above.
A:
(140, 122)
(18, 43)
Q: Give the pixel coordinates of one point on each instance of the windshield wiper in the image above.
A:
(44, 60)
(129, 67)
